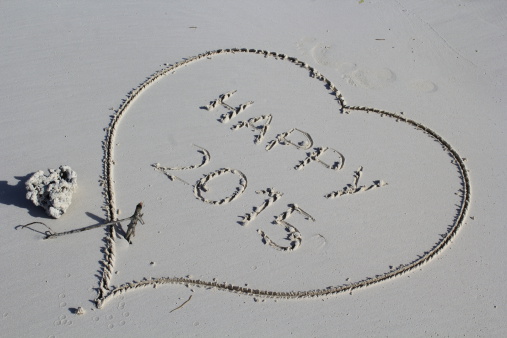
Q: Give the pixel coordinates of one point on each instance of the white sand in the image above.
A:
(409, 95)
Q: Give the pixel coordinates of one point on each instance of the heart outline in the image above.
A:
(105, 292)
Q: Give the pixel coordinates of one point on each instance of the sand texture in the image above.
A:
(304, 169)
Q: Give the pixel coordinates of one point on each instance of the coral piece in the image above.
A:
(53, 192)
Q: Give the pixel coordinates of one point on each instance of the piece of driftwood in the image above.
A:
(136, 217)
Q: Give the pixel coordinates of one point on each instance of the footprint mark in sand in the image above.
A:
(121, 306)
(323, 54)
(370, 78)
(330, 56)
(423, 86)
(62, 296)
(110, 326)
(62, 320)
(318, 241)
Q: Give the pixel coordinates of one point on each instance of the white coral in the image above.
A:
(53, 192)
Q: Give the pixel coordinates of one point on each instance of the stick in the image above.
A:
(179, 307)
(136, 217)
(44, 233)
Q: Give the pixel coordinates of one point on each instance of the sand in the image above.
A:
(310, 169)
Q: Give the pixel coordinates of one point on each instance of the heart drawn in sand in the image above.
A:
(258, 167)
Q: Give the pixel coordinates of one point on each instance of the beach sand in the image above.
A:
(306, 169)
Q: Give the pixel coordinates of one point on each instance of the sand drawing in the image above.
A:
(294, 235)
(314, 157)
(273, 197)
(282, 139)
(251, 123)
(353, 188)
(200, 186)
(107, 291)
(233, 112)
(205, 160)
